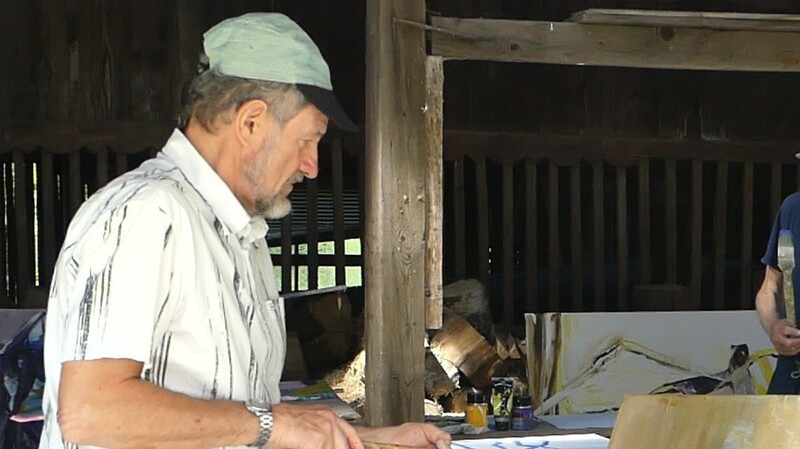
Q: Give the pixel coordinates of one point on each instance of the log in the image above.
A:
(459, 344)
(468, 299)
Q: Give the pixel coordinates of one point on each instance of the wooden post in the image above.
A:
(434, 85)
(395, 212)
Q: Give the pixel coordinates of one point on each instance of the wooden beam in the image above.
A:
(565, 149)
(66, 137)
(434, 85)
(395, 212)
(129, 137)
(615, 45)
(689, 19)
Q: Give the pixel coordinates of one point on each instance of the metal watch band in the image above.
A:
(264, 416)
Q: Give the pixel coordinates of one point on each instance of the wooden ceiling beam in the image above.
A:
(644, 46)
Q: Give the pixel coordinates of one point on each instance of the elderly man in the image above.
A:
(165, 328)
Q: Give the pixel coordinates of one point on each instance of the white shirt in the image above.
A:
(164, 266)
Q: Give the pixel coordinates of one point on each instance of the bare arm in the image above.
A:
(785, 338)
(105, 403)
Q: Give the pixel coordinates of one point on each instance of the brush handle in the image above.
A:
(371, 445)
(788, 296)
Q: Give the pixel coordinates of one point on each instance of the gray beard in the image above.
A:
(273, 208)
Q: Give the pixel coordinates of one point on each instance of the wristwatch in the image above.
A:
(264, 415)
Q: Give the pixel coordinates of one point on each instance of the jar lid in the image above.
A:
(475, 397)
(523, 401)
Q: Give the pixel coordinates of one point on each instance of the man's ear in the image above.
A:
(251, 122)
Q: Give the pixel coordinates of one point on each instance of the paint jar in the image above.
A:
(522, 414)
(477, 409)
(502, 397)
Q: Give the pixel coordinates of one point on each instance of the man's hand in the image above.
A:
(785, 338)
(311, 427)
(408, 434)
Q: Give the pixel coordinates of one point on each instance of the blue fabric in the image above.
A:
(788, 218)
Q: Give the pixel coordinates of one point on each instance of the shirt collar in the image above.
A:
(213, 189)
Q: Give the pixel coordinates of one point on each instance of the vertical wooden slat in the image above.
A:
(434, 85)
(747, 237)
(720, 233)
(623, 301)
(508, 243)
(75, 183)
(121, 163)
(797, 177)
(286, 254)
(460, 217)
(576, 238)
(775, 193)
(22, 231)
(697, 233)
(553, 254)
(5, 193)
(671, 219)
(337, 180)
(531, 230)
(47, 223)
(644, 221)
(482, 189)
(102, 167)
(599, 234)
(312, 220)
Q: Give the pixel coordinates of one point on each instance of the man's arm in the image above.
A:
(105, 403)
(785, 338)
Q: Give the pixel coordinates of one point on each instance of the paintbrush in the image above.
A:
(372, 445)
(786, 264)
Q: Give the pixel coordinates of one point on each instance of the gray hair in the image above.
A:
(212, 95)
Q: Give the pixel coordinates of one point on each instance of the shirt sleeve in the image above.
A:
(117, 267)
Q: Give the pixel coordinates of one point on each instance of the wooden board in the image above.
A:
(615, 45)
(689, 19)
(686, 422)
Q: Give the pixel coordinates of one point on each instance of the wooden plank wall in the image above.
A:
(590, 232)
(42, 190)
(94, 86)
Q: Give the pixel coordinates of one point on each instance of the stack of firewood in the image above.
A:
(463, 355)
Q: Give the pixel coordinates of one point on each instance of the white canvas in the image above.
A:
(590, 361)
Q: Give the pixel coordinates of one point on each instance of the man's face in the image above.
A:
(285, 157)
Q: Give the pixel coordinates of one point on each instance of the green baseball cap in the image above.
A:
(272, 47)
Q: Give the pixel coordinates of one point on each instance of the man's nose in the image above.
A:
(309, 165)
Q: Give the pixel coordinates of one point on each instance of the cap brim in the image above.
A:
(326, 102)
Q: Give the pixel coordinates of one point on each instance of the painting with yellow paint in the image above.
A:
(588, 362)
